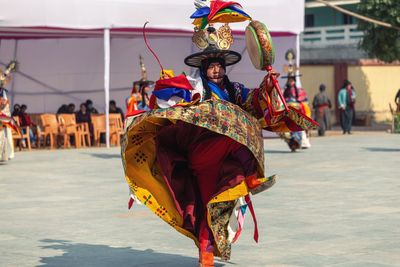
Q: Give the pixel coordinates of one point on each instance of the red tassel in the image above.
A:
(130, 203)
(250, 205)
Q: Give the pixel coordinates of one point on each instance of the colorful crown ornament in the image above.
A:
(215, 42)
(217, 11)
(291, 68)
(143, 73)
(142, 68)
(221, 38)
(5, 77)
(209, 12)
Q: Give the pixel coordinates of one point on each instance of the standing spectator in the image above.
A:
(397, 101)
(396, 114)
(322, 105)
(90, 108)
(25, 120)
(16, 110)
(115, 109)
(346, 100)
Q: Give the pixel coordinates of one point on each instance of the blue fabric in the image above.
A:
(297, 136)
(244, 93)
(167, 93)
(3, 92)
(243, 208)
(32, 137)
(218, 91)
(201, 12)
(343, 97)
(222, 94)
(143, 107)
(238, 10)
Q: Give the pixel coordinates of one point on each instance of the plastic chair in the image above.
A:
(21, 135)
(69, 128)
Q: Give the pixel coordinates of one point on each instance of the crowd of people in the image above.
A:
(82, 115)
(87, 108)
(322, 106)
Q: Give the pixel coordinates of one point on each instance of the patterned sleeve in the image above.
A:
(251, 100)
(257, 102)
(269, 109)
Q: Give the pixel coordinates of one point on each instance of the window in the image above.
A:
(309, 21)
(347, 20)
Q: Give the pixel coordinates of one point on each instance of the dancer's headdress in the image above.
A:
(291, 68)
(215, 43)
(143, 80)
(5, 77)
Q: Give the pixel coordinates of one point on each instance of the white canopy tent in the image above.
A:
(73, 50)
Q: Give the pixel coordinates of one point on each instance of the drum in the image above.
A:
(259, 45)
(262, 54)
(261, 50)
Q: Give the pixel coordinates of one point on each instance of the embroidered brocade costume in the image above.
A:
(237, 125)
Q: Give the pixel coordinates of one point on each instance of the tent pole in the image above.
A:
(107, 82)
(298, 81)
(12, 93)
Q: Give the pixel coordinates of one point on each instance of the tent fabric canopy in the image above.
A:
(279, 16)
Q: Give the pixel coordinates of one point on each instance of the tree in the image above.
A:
(381, 42)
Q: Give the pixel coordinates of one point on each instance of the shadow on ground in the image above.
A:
(85, 255)
(105, 156)
(277, 151)
(382, 149)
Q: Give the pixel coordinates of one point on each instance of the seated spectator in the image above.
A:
(25, 120)
(63, 109)
(90, 108)
(115, 109)
(144, 104)
(83, 116)
(71, 108)
(16, 110)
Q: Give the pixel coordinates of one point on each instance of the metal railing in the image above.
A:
(331, 35)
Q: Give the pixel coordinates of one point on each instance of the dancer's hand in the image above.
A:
(267, 84)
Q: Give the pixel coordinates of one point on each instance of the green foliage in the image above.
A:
(381, 42)
(397, 123)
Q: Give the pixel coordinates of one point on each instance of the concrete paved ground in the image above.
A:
(336, 204)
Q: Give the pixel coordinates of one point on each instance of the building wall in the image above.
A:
(326, 16)
(313, 76)
(376, 87)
